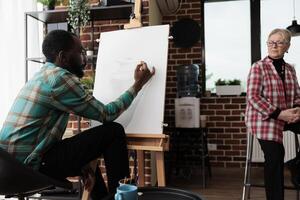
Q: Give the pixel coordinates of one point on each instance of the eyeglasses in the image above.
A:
(279, 44)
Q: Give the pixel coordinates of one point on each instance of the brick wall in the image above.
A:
(180, 56)
(226, 129)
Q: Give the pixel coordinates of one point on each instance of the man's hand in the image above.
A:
(142, 74)
(291, 115)
(88, 176)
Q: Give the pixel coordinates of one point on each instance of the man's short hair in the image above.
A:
(56, 41)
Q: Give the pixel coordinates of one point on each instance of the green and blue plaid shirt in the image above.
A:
(40, 113)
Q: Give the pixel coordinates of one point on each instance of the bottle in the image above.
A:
(187, 81)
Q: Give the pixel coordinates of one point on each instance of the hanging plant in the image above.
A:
(78, 14)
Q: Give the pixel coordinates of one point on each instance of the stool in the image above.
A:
(18, 180)
(247, 182)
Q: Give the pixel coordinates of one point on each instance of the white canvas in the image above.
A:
(118, 55)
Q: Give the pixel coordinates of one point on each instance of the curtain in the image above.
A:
(12, 49)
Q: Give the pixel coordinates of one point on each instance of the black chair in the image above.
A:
(18, 180)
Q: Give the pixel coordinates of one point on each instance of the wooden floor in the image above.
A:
(227, 184)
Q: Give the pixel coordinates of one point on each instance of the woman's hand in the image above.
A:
(291, 115)
(142, 74)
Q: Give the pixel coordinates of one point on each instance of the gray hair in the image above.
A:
(286, 34)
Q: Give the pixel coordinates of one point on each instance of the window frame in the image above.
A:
(255, 35)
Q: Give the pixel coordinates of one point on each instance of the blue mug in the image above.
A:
(126, 192)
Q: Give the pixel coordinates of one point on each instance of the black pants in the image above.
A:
(274, 164)
(67, 157)
(273, 169)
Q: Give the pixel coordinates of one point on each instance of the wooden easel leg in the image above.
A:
(86, 194)
(141, 174)
(160, 167)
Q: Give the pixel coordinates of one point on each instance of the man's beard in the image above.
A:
(76, 68)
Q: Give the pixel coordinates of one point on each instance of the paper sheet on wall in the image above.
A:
(118, 55)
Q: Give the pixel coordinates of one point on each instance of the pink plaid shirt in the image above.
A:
(265, 93)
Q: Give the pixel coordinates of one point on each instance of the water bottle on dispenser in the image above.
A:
(187, 81)
(187, 105)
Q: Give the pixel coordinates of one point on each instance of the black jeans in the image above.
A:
(67, 157)
(273, 169)
(274, 164)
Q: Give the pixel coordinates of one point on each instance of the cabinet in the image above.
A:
(60, 16)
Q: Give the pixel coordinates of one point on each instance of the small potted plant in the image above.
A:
(228, 87)
(88, 83)
(48, 4)
(234, 82)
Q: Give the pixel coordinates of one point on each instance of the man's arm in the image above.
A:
(70, 96)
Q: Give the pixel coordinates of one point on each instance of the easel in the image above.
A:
(157, 143)
(136, 18)
(147, 142)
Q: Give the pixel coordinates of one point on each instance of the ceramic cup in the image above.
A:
(126, 192)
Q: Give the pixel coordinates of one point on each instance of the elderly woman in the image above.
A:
(273, 96)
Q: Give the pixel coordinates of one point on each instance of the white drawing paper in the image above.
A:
(119, 54)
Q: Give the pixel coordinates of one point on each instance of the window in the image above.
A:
(227, 41)
(271, 19)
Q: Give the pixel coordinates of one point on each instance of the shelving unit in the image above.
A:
(60, 16)
(195, 154)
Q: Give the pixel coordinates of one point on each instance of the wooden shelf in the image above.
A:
(97, 13)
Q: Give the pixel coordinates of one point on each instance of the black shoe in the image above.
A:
(294, 167)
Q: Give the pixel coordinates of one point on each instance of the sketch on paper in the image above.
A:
(119, 54)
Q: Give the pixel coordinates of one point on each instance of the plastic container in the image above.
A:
(187, 81)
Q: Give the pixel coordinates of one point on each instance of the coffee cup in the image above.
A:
(126, 192)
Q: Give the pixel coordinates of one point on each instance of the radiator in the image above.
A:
(288, 142)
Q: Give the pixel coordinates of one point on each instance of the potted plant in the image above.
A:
(228, 87)
(234, 82)
(48, 4)
(78, 15)
(88, 83)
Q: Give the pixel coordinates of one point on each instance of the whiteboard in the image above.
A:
(119, 53)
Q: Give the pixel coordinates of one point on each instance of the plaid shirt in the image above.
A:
(265, 93)
(40, 113)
